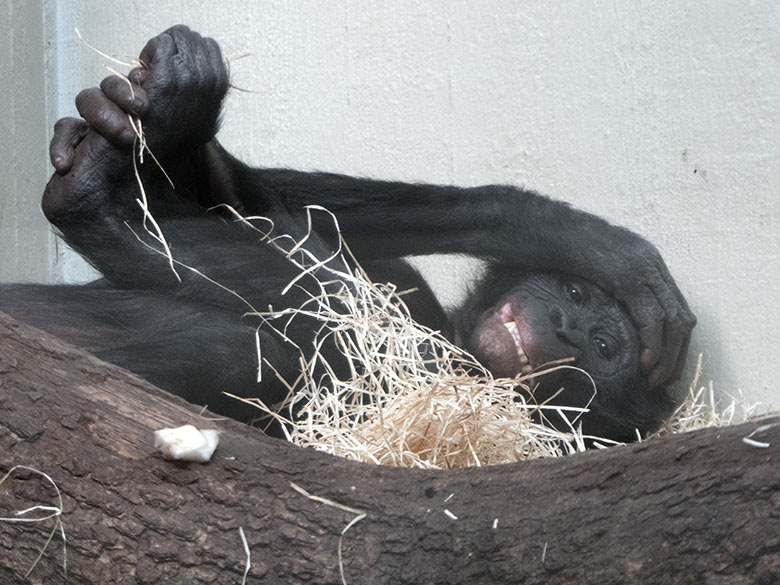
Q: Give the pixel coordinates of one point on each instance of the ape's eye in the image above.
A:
(575, 293)
(605, 347)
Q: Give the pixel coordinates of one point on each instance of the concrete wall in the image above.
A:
(26, 243)
(663, 116)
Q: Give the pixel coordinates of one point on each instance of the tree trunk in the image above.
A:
(699, 508)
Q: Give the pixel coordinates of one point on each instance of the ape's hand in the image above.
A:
(632, 270)
(176, 93)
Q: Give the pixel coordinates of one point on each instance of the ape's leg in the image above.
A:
(192, 350)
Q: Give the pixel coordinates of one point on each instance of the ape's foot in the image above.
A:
(175, 96)
(86, 165)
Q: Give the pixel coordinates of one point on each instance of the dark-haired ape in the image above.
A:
(560, 283)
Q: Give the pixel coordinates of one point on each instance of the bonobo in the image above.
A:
(559, 283)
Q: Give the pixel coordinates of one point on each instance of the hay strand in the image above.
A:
(48, 512)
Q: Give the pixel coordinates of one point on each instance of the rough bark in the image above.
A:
(699, 508)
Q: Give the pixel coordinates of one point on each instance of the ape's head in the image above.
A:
(517, 325)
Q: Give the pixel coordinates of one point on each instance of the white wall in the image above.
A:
(663, 116)
(25, 240)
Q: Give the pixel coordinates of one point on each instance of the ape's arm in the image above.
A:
(381, 219)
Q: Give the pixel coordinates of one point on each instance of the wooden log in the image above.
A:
(700, 507)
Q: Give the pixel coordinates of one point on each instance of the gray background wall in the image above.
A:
(663, 116)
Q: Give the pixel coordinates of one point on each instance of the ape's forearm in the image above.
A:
(385, 219)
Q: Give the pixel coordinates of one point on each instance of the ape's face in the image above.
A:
(548, 317)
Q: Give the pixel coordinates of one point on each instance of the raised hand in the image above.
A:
(632, 270)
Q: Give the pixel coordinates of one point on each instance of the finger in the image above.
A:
(149, 56)
(130, 97)
(107, 118)
(217, 65)
(678, 323)
(157, 51)
(186, 40)
(214, 53)
(190, 59)
(674, 351)
(155, 61)
(677, 370)
(68, 132)
(139, 75)
(145, 57)
(661, 372)
(648, 315)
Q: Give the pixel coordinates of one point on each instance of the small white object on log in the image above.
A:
(186, 443)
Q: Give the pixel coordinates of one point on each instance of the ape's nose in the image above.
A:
(566, 328)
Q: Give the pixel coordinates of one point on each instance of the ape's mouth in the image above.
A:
(508, 319)
(525, 363)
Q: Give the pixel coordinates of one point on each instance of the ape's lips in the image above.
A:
(510, 323)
